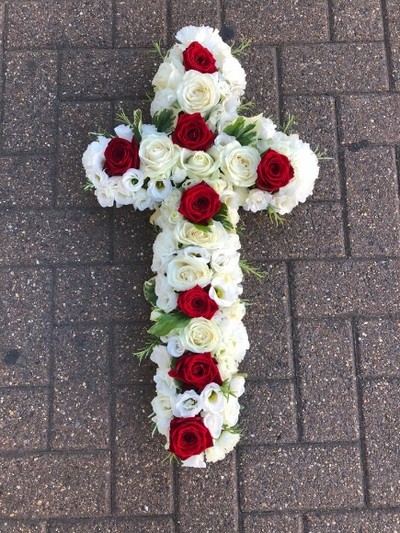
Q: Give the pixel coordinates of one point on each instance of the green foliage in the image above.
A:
(222, 216)
(241, 47)
(275, 217)
(249, 269)
(243, 131)
(286, 127)
(88, 187)
(149, 287)
(321, 154)
(135, 124)
(146, 351)
(164, 120)
(245, 106)
(168, 322)
(101, 133)
(236, 430)
(202, 227)
(158, 50)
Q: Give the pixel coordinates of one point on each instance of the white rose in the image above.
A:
(239, 164)
(214, 400)
(201, 165)
(257, 200)
(198, 92)
(200, 335)
(187, 404)
(234, 312)
(185, 272)
(187, 234)
(158, 154)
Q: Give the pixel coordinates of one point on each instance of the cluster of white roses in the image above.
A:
(195, 166)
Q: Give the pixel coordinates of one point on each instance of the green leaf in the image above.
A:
(168, 322)
(157, 49)
(149, 287)
(101, 133)
(88, 186)
(241, 47)
(201, 227)
(275, 217)
(164, 120)
(249, 269)
(222, 216)
(286, 127)
(137, 125)
(244, 132)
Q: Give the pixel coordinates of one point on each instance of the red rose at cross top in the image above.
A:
(197, 57)
(197, 303)
(199, 203)
(192, 132)
(196, 370)
(274, 171)
(121, 155)
(189, 436)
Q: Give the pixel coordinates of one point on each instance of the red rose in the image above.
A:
(196, 370)
(189, 436)
(199, 203)
(196, 57)
(197, 303)
(274, 171)
(192, 132)
(120, 155)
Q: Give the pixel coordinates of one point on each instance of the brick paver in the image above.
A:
(321, 418)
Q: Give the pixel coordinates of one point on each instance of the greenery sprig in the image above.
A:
(247, 267)
(241, 47)
(276, 219)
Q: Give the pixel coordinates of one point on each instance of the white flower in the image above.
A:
(196, 251)
(164, 383)
(124, 132)
(234, 74)
(166, 296)
(223, 292)
(236, 385)
(162, 409)
(224, 260)
(142, 201)
(185, 272)
(198, 92)
(213, 422)
(105, 193)
(231, 411)
(187, 234)
(195, 461)
(160, 356)
(201, 165)
(207, 37)
(175, 347)
(163, 249)
(158, 154)
(222, 446)
(93, 161)
(158, 189)
(200, 335)
(239, 164)
(257, 200)
(214, 399)
(132, 180)
(187, 404)
(169, 73)
(163, 99)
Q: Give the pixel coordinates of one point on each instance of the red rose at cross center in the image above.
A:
(199, 203)
(192, 132)
(189, 436)
(197, 57)
(197, 303)
(196, 370)
(274, 171)
(120, 155)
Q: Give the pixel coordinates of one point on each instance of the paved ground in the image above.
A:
(322, 418)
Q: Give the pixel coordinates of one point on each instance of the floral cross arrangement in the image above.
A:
(195, 166)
